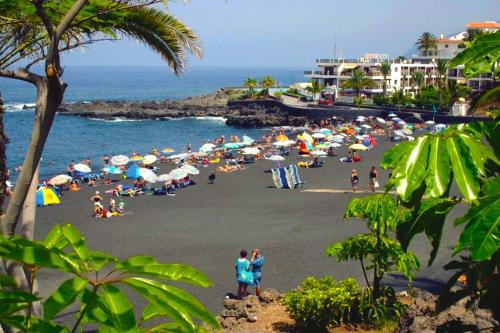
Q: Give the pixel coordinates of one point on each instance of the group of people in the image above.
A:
(372, 184)
(249, 272)
(112, 210)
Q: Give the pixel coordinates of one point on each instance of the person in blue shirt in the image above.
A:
(243, 275)
(256, 263)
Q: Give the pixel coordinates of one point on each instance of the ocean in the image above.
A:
(75, 138)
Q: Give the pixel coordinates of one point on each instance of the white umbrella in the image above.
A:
(361, 117)
(60, 180)
(380, 120)
(319, 136)
(318, 153)
(361, 120)
(178, 173)
(402, 122)
(250, 151)
(430, 122)
(191, 169)
(276, 158)
(148, 175)
(119, 160)
(80, 167)
(163, 178)
(149, 159)
(207, 147)
(335, 145)
(358, 146)
(392, 115)
(410, 138)
(178, 156)
(366, 126)
(399, 133)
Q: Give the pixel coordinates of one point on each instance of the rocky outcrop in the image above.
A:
(213, 105)
(420, 317)
(238, 312)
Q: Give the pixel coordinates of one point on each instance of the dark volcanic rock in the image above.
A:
(214, 105)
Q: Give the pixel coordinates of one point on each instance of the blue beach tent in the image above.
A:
(46, 196)
(133, 172)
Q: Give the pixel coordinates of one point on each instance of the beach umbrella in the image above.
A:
(178, 173)
(392, 115)
(366, 126)
(112, 170)
(318, 153)
(168, 150)
(178, 156)
(319, 136)
(59, 180)
(148, 175)
(410, 138)
(46, 196)
(407, 131)
(322, 145)
(335, 145)
(207, 148)
(119, 160)
(399, 133)
(163, 178)
(396, 119)
(133, 172)
(149, 159)
(429, 122)
(338, 138)
(247, 140)
(305, 137)
(136, 158)
(325, 131)
(191, 169)
(250, 151)
(80, 167)
(281, 137)
(358, 146)
(359, 137)
(231, 145)
(402, 122)
(380, 120)
(276, 158)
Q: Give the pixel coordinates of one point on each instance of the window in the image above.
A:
(395, 82)
(445, 46)
(395, 69)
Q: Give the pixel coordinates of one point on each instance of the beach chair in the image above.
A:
(282, 178)
(294, 172)
(276, 178)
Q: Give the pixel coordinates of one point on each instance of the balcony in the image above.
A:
(357, 61)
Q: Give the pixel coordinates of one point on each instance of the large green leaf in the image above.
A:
(393, 156)
(96, 310)
(136, 261)
(166, 307)
(464, 171)
(480, 153)
(173, 294)
(172, 272)
(377, 208)
(64, 296)
(413, 168)
(55, 238)
(77, 242)
(43, 257)
(16, 296)
(438, 171)
(121, 311)
(482, 233)
(99, 259)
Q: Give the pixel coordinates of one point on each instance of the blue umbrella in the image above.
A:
(112, 170)
(133, 172)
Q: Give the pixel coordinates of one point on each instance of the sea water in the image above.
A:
(75, 138)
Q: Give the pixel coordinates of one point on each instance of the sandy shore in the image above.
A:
(207, 225)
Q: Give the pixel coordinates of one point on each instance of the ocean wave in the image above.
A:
(117, 120)
(18, 107)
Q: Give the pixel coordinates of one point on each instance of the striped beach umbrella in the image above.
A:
(59, 180)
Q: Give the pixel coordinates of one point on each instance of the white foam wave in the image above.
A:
(18, 107)
(117, 120)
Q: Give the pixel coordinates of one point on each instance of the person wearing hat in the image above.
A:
(97, 204)
(354, 180)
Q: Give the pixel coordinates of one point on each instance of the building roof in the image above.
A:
(449, 40)
(483, 25)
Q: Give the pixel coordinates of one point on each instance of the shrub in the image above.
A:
(381, 100)
(278, 94)
(318, 304)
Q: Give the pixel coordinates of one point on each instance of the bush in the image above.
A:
(278, 94)
(318, 304)
(382, 100)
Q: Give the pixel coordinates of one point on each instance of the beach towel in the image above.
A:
(294, 172)
(283, 178)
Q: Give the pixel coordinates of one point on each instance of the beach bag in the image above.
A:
(376, 185)
(246, 277)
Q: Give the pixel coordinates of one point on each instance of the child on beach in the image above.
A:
(243, 275)
(121, 207)
(354, 180)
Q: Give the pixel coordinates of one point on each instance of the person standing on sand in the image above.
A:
(354, 180)
(373, 179)
(97, 204)
(243, 275)
(256, 263)
(211, 177)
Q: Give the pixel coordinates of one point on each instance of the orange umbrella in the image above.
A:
(281, 137)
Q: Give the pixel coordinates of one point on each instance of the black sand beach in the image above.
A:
(207, 225)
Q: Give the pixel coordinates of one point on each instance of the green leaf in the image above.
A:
(96, 311)
(464, 171)
(77, 242)
(43, 326)
(413, 168)
(438, 171)
(122, 313)
(482, 233)
(16, 296)
(478, 151)
(393, 156)
(63, 297)
(491, 187)
(7, 281)
(183, 299)
(137, 261)
(44, 257)
(172, 272)
(377, 208)
(99, 259)
(55, 238)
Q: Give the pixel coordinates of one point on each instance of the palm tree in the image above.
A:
(250, 83)
(426, 42)
(419, 81)
(267, 82)
(442, 70)
(385, 69)
(315, 88)
(358, 81)
(400, 98)
(473, 33)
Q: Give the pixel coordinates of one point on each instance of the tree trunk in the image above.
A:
(49, 97)
(376, 278)
(3, 159)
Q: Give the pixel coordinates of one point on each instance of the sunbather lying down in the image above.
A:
(350, 159)
(229, 168)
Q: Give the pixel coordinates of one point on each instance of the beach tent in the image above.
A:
(133, 172)
(46, 196)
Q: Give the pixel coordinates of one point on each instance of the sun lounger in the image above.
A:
(282, 178)
(294, 172)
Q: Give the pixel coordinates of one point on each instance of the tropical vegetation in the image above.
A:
(266, 83)
(315, 88)
(251, 84)
(385, 70)
(426, 43)
(358, 81)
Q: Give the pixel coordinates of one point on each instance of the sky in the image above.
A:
(293, 33)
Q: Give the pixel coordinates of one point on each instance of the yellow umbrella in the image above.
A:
(167, 150)
(281, 137)
(358, 146)
(137, 158)
(306, 137)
